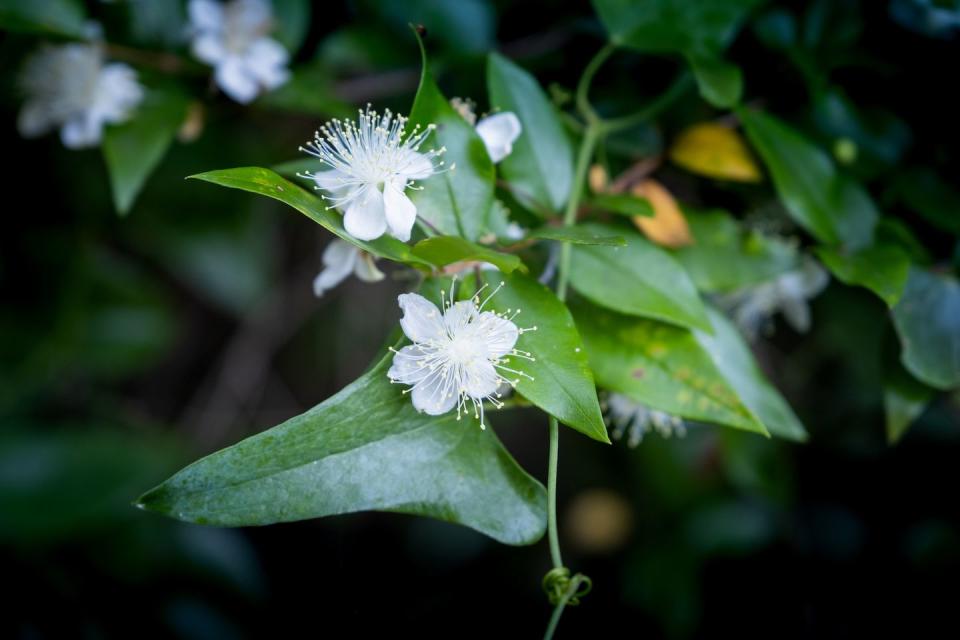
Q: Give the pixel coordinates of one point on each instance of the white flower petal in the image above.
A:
(34, 119)
(339, 260)
(499, 334)
(401, 213)
(481, 380)
(435, 395)
(414, 166)
(366, 269)
(205, 15)
(81, 132)
(421, 321)
(208, 47)
(232, 77)
(459, 316)
(266, 60)
(333, 182)
(364, 218)
(406, 367)
(498, 133)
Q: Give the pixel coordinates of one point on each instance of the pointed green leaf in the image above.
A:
(365, 448)
(927, 319)
(904, 399)
(881, 268)
(133, 149)
(832, 207)
(623, 204)
(639, 279)
(457, 201)
(578, 235)
(720, 82)
(562, 383)
(540, 167)
(267, 183)
(444, 250)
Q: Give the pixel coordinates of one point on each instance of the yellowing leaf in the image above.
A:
(715, 151)
(667, 227)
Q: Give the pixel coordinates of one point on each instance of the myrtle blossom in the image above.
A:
(372, 162)
(232, 37)
(753, 307)
(498, 131)
(635, 419)
(459, 355)
(340, 259)
(73, 88)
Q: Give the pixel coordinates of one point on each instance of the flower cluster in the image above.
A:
(627, 416)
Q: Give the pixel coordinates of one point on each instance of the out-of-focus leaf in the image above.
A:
(925, 193)
(365, 448)
(894, 231)
(661, 366)
(310, 91)
(444, 250)
(562, 383)
(579, 235)
(292, 23)
(638, 279)
(267, 183)
(832, 207)
(715, 151)
(904, 399)
(540, 168)
(700, 31)
(457, 201)
(623, 204)
(881, 268)
(725, 256)
(463, 27)
(133, 149)
(776, 28)
(54, 17)
(927, 319)
(667, 227)
(160, 24)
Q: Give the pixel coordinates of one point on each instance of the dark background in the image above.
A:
(130, 346)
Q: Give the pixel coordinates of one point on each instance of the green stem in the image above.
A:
(652, 110)
(589, 143)
(552, 494)
(561, 605)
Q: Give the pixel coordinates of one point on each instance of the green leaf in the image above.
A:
(578, 235)
(881, 268)
(720, 82)
(622, 204)
(457, 201)
(927, 319)
(540, 167)
(832, 207)
(365, 448)
(638, 279)
(924, 192)
(55, 17)
(661, 366)
(724, 256)
(562, 383)
(309, 90)
(444, 250)
(904, 399)
(132, 150)
(267, 183)
(292, 23)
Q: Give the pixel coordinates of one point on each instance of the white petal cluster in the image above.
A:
(71, 87)
(627, 416)
(232, 37)
(753, 308)
(372, 163)
(459, 355)
(340, 259)
(498, 131)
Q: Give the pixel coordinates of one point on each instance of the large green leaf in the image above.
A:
(699, 31)
(927, 319)
(365, 448)
(457, 201)
(267, 183)
(292, 19)
(881, 268)
(562, 383)
(832, 207)
(540, 168)
(639, 279)
(133, 149)
(444, 250)
(724, 256)
(56, 17)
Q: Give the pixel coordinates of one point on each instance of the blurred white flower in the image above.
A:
(73, 88)
(340, 259)
(753, 307)
(459, 355)
(627, 416)
(372, 162)
(232, 38)
(498, 133)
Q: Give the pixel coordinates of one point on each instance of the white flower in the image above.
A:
(625, 414)
(753, 308)
(459, 355)
(232, 38)
(71, 87)
(498, 133)
(340, 259)
(372, 163)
